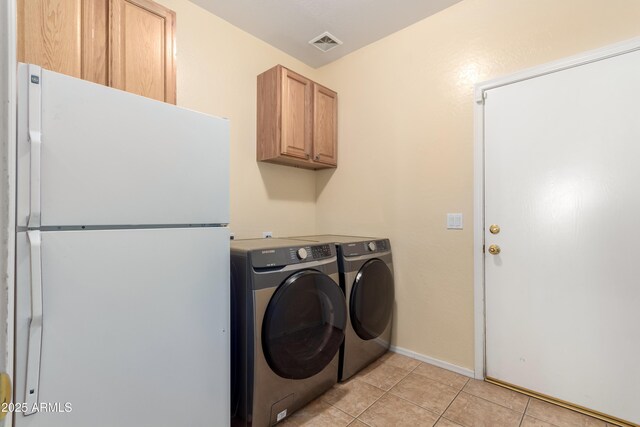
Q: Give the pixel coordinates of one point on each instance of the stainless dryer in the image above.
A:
(366, 276)
(288, 322)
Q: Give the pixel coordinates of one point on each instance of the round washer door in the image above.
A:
(371, 302)
(304, 324)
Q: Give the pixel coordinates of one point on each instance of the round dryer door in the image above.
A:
(304, 324)
(371, 302)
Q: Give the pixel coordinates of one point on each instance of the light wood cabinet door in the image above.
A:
(127, 44)
(66, 36)
(296, 121)
(296, 115)
(142, 46)
(50, 34)
(325, 125)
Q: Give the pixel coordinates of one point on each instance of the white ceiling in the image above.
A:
(290, 24)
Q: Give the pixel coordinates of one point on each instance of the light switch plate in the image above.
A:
(454, 221)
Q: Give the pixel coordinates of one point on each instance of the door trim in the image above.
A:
(8, 66)
(480, 93)
(559, 402)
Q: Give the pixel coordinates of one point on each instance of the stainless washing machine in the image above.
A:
(288, 323)
(366, 277)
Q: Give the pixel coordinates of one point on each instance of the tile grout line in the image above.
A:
(410, 371)
(550, 423)
(419, 406)
(358, 419)
(369, 425)
(353, 418)
(557, 406)
(367, 408)
(372, 403)
(434, 411)
(384, 392)
(334, 406)
(525, 412)
(354, 377)
(394, 384)
(451, 403)
(499, 404)
(440, 381)
(440, 416)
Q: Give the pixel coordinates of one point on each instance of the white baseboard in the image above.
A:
(430, 360)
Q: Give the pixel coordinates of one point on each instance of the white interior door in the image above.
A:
(135, 328)
(562, 180)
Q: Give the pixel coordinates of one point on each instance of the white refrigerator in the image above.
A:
(122, 275)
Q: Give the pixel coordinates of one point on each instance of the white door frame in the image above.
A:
(478, 220)
(8, 63)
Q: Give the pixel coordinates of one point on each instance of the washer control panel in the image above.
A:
(279, 257)
(322, 251)
(365, 247)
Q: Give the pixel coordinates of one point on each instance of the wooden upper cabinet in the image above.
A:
(50, 34)
(142, 46)
(127, 44)
(297, 120)
(325, 125)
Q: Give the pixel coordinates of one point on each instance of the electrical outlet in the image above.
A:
(267, 234)
(232, 236)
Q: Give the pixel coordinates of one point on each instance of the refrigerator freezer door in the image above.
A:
(109, 157)
(135, 328)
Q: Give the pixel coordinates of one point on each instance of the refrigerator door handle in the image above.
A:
(35, 139)
(35, 324)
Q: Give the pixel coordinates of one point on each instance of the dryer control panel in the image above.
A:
(365, 247)
(279, 257)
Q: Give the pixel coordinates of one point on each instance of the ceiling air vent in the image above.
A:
(325, 42)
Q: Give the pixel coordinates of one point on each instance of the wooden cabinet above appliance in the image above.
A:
(297, 121)
(126, 44)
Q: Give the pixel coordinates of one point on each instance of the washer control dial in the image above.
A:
(372, 246)
(302, 253)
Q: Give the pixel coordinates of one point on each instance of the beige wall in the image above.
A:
(217, 68)
(406, 144)
(406, 138)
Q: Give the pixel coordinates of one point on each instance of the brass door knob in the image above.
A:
(494, 229)
(494, 249)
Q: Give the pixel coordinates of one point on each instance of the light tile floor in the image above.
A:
(399, 391)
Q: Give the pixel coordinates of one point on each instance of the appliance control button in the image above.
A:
(372, 246)
(302, 253)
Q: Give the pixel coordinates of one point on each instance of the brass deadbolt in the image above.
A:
(494, 249)
(494, 229)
